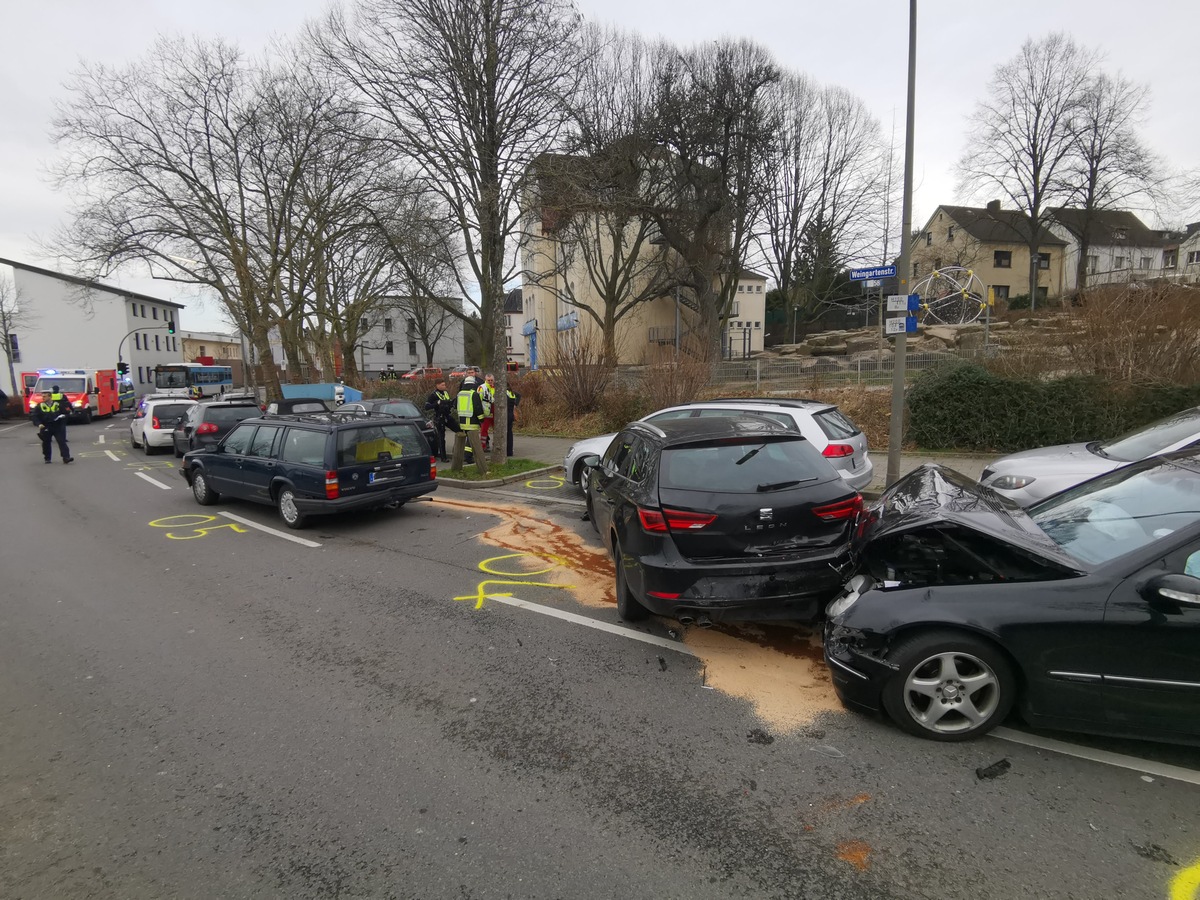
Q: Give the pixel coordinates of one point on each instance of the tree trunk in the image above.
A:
(1081, 266)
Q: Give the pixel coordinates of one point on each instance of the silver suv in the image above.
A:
(824, 426)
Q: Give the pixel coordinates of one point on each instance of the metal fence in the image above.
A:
(834, 371)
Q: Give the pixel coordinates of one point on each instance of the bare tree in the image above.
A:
(13, 316)
(590, 234)
(712, 120)
(1023, 135)
(1110, 166)
(471, 91)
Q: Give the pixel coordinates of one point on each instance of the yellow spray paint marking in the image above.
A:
(93, 454)
(148, 466)
(549, 483)
(1186, 885)
(196, 523)
(484, 588)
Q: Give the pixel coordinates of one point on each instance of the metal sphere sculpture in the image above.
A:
(953, 295)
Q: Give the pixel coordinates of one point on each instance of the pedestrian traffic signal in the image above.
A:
(171, 327)
(122, 368)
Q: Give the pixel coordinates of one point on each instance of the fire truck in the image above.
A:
(91, 392)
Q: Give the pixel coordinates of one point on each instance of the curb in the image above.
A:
(496, 482)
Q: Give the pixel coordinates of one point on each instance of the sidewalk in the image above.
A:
(551, 451)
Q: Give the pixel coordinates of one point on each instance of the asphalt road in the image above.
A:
(191, 706)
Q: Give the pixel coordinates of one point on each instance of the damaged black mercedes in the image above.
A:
(1081, 612)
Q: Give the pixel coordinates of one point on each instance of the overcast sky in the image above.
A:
(861, 46)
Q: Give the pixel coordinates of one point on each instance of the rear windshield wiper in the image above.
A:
(750, 454)
(783, 484)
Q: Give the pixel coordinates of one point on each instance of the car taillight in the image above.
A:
(843, 509)
(154, 423)
(331, 486)
(206, 428)
(837, 451)
(673, 520)
(433, 467)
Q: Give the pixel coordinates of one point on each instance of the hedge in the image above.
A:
(966, 407)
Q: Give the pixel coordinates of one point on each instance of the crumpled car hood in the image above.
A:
(933, 494)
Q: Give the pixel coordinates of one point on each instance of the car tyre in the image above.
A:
(204, 494)
(628, 607)
(948, 686)
(291, 515)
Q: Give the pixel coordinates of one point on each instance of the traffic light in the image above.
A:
(122, 368)
(171, 327)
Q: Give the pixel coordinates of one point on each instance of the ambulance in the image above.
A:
(91, 393)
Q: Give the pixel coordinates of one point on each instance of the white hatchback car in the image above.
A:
(153, 425)
(824, 425)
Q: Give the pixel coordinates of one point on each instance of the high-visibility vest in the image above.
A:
(466, 411)
(54, 405)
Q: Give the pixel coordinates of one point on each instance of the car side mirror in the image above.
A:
(1172, 589)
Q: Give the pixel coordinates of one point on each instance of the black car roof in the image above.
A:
(686, 431)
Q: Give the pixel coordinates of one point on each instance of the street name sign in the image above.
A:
(876, 272)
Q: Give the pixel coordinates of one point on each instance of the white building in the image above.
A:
(1120, 247)
(394, 342)
(72, 323)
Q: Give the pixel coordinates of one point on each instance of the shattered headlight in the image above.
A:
(1012, 482)
(855, 588)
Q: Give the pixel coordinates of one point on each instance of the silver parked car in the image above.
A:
(825, 426)
(1033, 475)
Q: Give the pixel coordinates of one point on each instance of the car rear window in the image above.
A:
(314, 406)
(229, 415)
(307, 447)
(370, 443)
(400, 409)
(835, 424)
(744, 467)
(170, 410)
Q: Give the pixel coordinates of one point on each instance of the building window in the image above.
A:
(1170, 259)
(133, 307)
(1119, 262)
(143, 310)
(1043, 260)
(1120, 234)
(508, 321)
(950, 233)
(1093, 263)
(388, 348)
(387, 326)
(1000, 292)
(1002, 259)
(928, 238)
(412, 325)
(733, 309)
(1147, 262)
(154, 311)
(202, 353)
(412, 348)
(1043, 292)
(137, 341)
(141, 380)
(362, 324)
(508, 341)
(758, 326)
(14, 347)
(156, 347)
(916, 269)
(937, 262)
(1193, 257)
(758, 289)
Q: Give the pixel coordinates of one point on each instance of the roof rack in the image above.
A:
(771, 401)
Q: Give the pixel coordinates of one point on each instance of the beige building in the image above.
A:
(560, 286)
(989, 241)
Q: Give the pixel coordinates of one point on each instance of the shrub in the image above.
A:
(966, 407)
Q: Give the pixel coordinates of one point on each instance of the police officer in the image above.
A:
(514, 399)
(51, 416)
(438, 402)
(470, 413)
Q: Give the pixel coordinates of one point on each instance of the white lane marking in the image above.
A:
(114, 425)
(153, 481)
(112, 456)
(595, 623)
(1120, 760)
(10, 427)
(280, 534)
(101, 439)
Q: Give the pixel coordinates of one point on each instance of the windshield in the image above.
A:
(170, 378)
(1122, 511)
(1150, 440)
(65, 385)
(745, 466)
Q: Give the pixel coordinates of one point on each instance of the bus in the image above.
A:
(193, 378)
